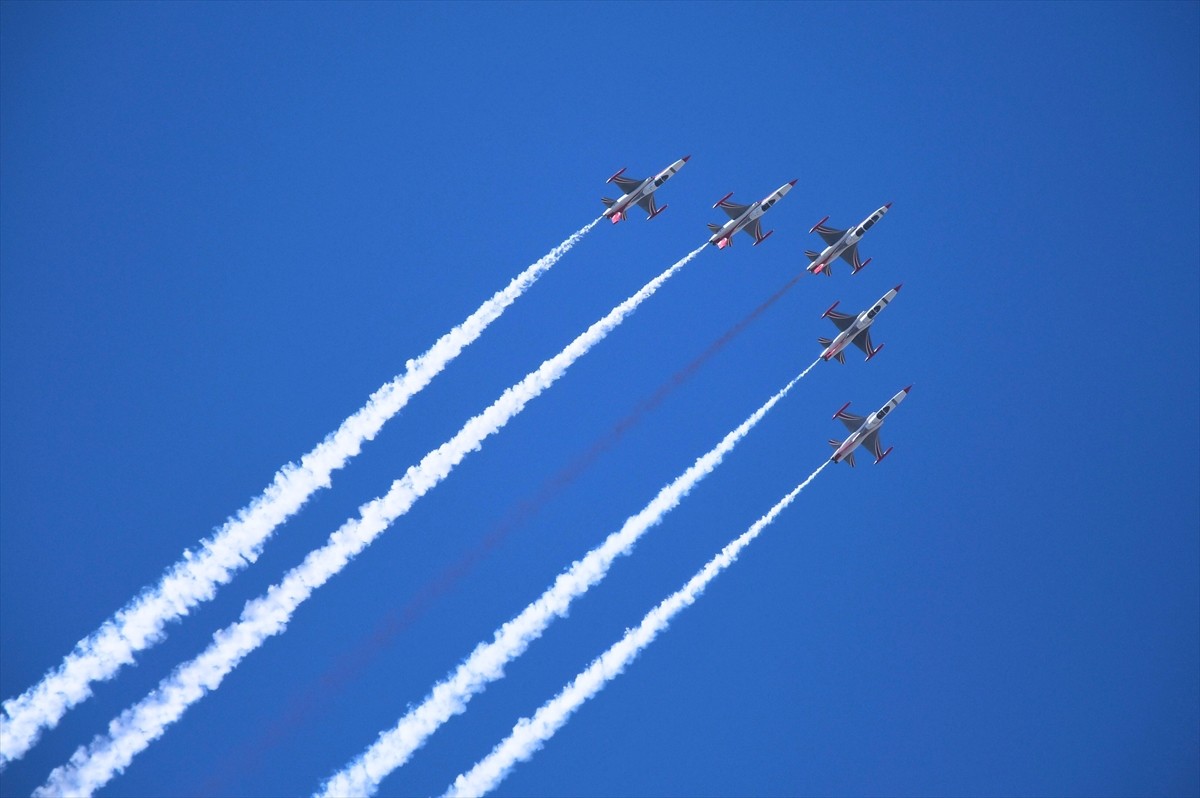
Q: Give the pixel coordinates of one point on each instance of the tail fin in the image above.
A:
(608, 203)
(849, 458)
(841, 358)
(714, 228)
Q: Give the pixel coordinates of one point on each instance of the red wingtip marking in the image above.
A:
(840, 410)
(722, 199)
(818, 224)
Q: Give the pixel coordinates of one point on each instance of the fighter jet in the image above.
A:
(841, 243)
(745, 217)
(864, 431)
(638, 192)
(854, 329)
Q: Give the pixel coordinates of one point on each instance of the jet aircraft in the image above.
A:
(841, 243)
(854, 329)
(864, 431)
(638, 192)
(745, 217)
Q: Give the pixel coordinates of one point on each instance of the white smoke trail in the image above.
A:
(91, 767)
(239, 541)
(486, 663)
(530, 734)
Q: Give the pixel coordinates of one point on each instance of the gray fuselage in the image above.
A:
(851, 237)
(872, 423)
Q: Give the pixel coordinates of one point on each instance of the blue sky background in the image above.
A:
(223, 226)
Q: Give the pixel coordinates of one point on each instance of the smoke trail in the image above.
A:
(353, 662)
(91, 767)
(195, 578)
(486, 663)
(531, 733)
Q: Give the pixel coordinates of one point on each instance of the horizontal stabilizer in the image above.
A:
(824, 341)
(812, 255)
(714, 228)
(608, 202)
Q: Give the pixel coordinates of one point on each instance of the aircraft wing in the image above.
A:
(840, 320)
(755, 229)
(863, 341)
(871, 442)
(627, 184)
(648, 204)
(850, 255)
(851, 421)
(733, 210)
(831, 235)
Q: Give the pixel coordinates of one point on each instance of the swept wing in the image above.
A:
(831, 235)
(851, 421)
(628, 184)
(733, 210)
(850, 255)
(873, 444)
(755, 229)
(648, 204)
(863, 342)
(840, 320)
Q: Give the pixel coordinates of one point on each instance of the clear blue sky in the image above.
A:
(222, 226)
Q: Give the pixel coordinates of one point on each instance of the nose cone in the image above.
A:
(886, 207)
(793, 182)
(897, 288)
(909, 388)
(685, 158)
